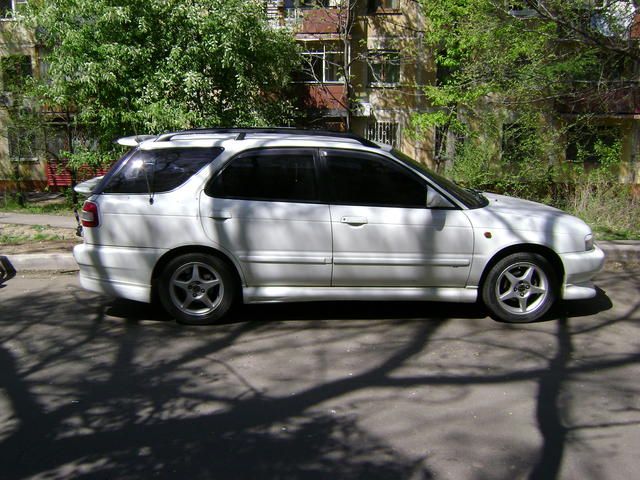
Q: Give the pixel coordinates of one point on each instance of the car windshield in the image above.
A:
(471, 198)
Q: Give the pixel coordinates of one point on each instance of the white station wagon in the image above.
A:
(200, 219)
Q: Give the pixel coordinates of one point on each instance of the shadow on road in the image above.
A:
(91, 389)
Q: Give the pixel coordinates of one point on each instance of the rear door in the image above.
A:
(264, 208)
(383, 232)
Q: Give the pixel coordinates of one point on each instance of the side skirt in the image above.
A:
(317, 294)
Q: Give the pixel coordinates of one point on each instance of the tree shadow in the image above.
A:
(118, 396)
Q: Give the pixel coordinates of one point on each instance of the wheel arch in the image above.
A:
(176, 252)
(551, 256)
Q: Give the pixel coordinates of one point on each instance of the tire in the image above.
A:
(197, 289)
(520, 288)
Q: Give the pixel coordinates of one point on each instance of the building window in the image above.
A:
(592, 145)
(309, 3)
(22, 144)
(383, 132)
(322, 66)
(16, 69)
(520, 8)
(440, 143)
(11, 8)
(384, 68)
(374, 6)
(520, 143)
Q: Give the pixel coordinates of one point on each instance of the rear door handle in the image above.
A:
(221, 215)
(354, 220)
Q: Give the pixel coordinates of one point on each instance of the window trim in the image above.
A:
(322, 55)
(313, 151)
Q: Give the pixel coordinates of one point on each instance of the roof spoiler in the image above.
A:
(134, 140)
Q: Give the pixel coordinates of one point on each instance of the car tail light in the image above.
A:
(89, 215)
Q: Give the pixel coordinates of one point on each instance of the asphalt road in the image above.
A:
(92, 387)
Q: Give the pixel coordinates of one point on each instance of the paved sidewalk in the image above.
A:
(617, 251)
(58, 221)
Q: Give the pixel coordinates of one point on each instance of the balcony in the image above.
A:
(316, 22)
(328, 100)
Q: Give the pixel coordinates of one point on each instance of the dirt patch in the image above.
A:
(17, 239)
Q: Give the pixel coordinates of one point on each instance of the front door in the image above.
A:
(383, 232)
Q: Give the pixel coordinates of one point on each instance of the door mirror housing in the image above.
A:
(436, 200)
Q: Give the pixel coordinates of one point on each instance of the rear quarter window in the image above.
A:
(159, 170)
(280, 175)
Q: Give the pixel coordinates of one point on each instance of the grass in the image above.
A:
(612, 210)
(20, 234)
(58, 206)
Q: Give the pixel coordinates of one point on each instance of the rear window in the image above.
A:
(158, 170)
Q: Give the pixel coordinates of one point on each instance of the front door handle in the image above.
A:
(354, 220)
(221, 215)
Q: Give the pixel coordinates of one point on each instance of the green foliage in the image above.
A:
(131, 67)
(485, 47)
(491, 58)
(593, 194)
(501, 75)
(62, 206)
(17, 235)
(612, 210)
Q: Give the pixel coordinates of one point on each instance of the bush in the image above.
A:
(593, 194)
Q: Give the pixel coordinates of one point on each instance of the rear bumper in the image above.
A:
(117, 271)
(580, 268)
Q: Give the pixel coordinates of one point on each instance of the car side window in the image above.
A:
(357, 178)
(274, 175)
(159, 170)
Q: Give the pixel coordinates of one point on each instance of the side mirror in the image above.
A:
(436, 200)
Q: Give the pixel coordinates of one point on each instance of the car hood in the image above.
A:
(515, 214)
(503, 203)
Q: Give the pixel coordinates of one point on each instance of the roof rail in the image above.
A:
(242, 132)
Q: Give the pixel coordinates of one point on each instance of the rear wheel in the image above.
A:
(197, 289)
(520, 288)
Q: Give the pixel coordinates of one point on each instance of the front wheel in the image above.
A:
(520, 288)
(197, 289)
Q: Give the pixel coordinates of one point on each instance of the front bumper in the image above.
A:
(579, 270)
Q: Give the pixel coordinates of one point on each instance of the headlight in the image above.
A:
(588, 242)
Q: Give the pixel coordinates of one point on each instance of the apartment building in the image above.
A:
(364, 67)
(19, 160)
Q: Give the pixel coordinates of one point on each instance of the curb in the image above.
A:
(620, 251)
(28, 262)
(54, 262)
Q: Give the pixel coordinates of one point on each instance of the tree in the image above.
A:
(130, 67)
(524, 63)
